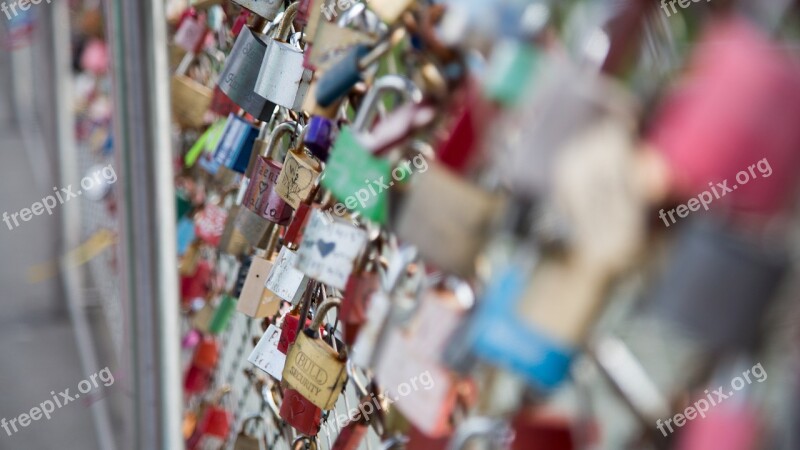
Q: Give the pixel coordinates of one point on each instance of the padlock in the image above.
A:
(246, 441)
(492, 431)
(238, 78)
(222, 315)
(356, 431)
(319, 135)
(723, 60)
(233, 242)
(267, 9)
(191, 31)
(190, 99)
(236, 144)
(209, 224)
(330, 42)
(252, 301)
(212, 430)
(351, 436)
(350, 163)
(712, 268)
(472, 118)
(283, 80)
(294, 235)
(363, 282)
(198, 284)
(446, 234)
(313, 368)
(261, 196)
(329, 250)
(289, 329)
(206, 355)
(297, 181)
(534, 430)
(412, 351)
(284, 280)
(301, 414)
(266, 355)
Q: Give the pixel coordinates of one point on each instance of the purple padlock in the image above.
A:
(319, 136)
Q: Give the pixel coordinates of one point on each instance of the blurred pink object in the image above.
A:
(95, 57)
(738, 103)
(726, 427)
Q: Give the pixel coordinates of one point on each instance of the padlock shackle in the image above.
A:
(286, 23)
(408, 91)
(276, 136)
(322, 311)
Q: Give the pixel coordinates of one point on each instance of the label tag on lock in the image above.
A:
(266, 355)
(329, 250)
(285, 280)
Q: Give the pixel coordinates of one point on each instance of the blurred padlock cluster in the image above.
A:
(498, 224)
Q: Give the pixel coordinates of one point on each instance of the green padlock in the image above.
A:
(352, 169)
(222, 315)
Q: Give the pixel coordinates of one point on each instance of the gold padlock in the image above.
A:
(298, 179)
(314, 369)
(245, 441)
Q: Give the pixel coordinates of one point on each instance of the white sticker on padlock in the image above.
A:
(329, 250)
(284, 279)
(266, 355)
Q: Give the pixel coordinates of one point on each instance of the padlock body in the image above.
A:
(267, 9)
(261, 196)
(238, 77)
(300, 413)
(297, 179)
(283, 80)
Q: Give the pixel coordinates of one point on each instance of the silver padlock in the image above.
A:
(267, 9)
(283, 79)
(238, 77)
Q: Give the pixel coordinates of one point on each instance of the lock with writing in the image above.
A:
(260, 196)
(350, 163)
(283, 80)
(284, 280)
(247, 441)
(297, 182)
(238, 78)
(313, 368)
(329, 249)
(266, 355)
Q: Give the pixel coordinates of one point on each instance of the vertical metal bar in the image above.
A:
(137, 36)
(55, 39)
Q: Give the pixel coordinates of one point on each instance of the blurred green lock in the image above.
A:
(222, 315)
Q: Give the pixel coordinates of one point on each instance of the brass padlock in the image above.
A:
(313, 368)
(190, 99)
(245, 441)
(298, 179)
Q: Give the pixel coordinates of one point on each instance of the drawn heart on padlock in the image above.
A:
(300, 178)
(296, 407)
(325, 248)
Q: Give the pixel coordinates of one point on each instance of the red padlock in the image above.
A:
(716, 142)
(197, 285)
(351, 436)
(300, 413)
(357, 293)
(289, 331)
(212, 430)
(295, 232)
(206, 355)
(197, 380)
(459, 151)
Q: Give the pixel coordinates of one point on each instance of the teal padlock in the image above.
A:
(512, 69)
(352, 168)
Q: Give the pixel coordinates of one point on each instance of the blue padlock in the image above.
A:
(236, 144)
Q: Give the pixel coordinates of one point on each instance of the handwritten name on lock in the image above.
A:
(329, 250)
(284, 280)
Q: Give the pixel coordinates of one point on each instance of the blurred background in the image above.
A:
(599, 251)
